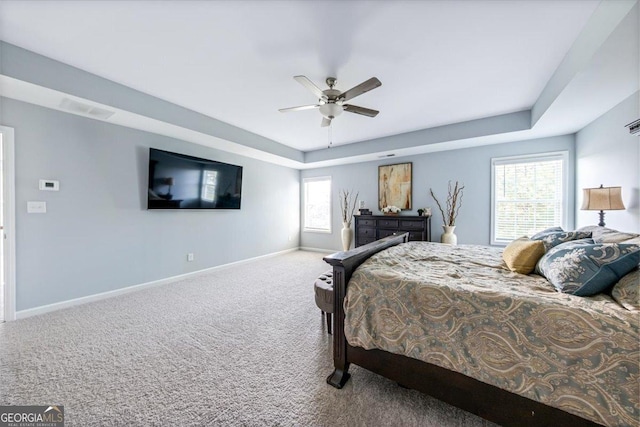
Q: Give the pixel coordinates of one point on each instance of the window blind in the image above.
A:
(317, 204)
(528, 195)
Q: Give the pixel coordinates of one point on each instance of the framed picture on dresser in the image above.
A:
(394, 185)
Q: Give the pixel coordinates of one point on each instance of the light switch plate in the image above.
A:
(36, 207)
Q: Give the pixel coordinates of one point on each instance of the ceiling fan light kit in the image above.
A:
(331, 101)
(331, 110)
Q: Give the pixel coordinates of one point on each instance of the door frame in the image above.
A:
(9, 207)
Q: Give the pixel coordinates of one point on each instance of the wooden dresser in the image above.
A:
(374, 227)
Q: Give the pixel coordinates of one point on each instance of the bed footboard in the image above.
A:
(344, 264)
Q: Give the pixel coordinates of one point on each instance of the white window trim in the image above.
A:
(553, 155)
(304, 204)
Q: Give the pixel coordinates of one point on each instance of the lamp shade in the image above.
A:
(602, 199)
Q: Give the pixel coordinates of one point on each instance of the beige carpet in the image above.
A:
(244, 345)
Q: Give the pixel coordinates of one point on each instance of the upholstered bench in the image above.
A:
(323, 287)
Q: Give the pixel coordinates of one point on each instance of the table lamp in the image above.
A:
(169, 181)
(602, 199)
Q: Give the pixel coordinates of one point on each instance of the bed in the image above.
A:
(455, 323)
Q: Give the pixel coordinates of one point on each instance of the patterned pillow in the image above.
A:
(627, 291)
(554, 236)
(607, 235)
(522, 255)
(585, 268)
(634, 241)
(589, 228)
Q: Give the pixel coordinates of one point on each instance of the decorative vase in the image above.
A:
(347, 236)
(448, 236)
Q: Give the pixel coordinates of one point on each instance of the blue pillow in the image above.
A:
(555, 235)
(585, 268)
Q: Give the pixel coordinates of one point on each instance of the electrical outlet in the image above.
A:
(189, 257)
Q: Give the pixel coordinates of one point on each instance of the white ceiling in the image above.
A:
(440, 62)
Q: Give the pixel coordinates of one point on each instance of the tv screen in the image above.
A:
(178, 181)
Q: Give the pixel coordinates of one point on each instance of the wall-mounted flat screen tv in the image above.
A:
(178, 181)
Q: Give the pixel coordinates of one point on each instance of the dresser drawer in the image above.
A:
(365, 240)
(385, 233)
(366, 223)
(388, 223)
(407, 224)
(367, 232)
(415, 235)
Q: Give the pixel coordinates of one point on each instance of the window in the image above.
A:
(209, 185)
(529, 193)
(317, 204)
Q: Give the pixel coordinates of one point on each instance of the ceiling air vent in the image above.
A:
(634, 127)
(85, 109)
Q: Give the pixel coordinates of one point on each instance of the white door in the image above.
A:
(7, 225)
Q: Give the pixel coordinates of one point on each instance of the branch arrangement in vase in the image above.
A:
(348, 205)
(454, 201)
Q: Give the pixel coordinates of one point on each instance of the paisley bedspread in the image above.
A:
(460, 308)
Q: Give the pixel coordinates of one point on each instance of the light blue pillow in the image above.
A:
(585, 268)
(553, 236)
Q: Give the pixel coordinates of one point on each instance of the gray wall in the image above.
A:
(97, 235)
(607, 154)
(472, 166)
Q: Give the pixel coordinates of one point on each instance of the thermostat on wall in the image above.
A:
(49, 185)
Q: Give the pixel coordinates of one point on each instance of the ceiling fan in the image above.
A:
(331, 102)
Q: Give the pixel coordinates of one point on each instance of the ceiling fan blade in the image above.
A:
(304, 81)
(325, 122)
(300, 108)
(360, 110)
(363, 87)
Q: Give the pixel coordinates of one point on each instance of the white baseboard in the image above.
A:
(22, 314)
(324, 251)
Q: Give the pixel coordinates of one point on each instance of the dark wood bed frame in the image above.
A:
(484, 400)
